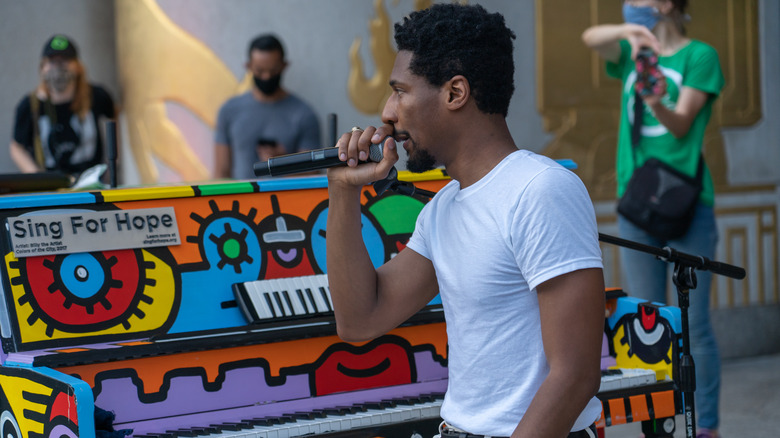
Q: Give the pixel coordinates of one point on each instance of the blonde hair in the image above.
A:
(82, 96)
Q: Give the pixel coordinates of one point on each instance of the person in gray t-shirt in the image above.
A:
(265, 121)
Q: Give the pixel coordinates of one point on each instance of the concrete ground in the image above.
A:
(750, 401)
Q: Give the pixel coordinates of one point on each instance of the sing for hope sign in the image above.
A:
(85, 231)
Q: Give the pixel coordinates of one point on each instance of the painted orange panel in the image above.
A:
(639, 411)
(663, 404)
(617, 410)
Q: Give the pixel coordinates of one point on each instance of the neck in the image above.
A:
(57, 97)
(277, 96)
(481, 145)
(669, 36)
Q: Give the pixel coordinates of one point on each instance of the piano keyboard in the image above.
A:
(623, 378)
(284, 298)
(371, 415)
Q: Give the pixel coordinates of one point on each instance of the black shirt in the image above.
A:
(69, 144)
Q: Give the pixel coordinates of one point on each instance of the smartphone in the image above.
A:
(266, 142)
(647, 72)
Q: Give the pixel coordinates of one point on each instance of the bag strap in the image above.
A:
(636, 134)
(35, 105)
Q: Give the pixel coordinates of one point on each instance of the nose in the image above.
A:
(389, 114)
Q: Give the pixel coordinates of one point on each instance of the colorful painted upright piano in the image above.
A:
(204, 311)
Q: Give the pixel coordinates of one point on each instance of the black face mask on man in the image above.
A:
(268, 86)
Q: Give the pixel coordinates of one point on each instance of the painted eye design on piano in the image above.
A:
(228, 238)
(373, 236)
(85, 292)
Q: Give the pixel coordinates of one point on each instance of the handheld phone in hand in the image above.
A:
(266, 142)
(647, 72)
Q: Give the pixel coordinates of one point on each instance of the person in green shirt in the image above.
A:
(673, 121)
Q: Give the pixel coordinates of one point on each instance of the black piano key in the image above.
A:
(286, 296)
(382, 404)
(313, 301)
(234, 426)
(350, 409)
(300, 415)
(324, 294)
(184, 432)
(334, 411)
(303, 301)
(267, 421)
(404, 401)
(278, 299)
(205, 431)
(270, 305)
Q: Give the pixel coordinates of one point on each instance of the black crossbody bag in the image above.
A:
(659, 199)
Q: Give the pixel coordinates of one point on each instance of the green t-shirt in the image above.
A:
(697, 66)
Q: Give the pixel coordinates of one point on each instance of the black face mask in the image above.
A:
(268, 86)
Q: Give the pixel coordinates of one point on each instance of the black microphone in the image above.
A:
(309, 160)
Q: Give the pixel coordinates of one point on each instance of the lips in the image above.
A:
(384, 365)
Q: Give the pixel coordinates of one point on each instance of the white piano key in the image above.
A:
(297, 306)
(322, 279)
(269, 299)
(314, 287)
(279, 296)
(298, 285)
(258, 301)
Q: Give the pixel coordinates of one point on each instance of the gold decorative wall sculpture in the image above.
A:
(159, 63)
(368, 95)
(580, 104)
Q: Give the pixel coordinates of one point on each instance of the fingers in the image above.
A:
(639, 36)
(354, 149)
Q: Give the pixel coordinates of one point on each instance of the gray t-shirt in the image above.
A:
(243, 121)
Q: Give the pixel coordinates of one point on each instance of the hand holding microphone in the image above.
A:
(329, 157)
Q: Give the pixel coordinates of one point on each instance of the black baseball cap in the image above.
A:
(60, 45)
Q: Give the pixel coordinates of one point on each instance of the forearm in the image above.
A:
(679, 119)
(558, 402)
(23, 160)
(351, 275)
(222, 157)
(605, 40)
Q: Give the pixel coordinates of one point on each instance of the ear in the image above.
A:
(458, 91)
(665, 7)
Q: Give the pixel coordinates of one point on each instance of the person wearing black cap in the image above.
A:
(57, 126)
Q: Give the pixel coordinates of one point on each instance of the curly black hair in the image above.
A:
(453, 39)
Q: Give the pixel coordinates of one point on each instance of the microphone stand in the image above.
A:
(684, 279)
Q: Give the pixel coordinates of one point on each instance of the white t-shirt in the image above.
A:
(492, 243)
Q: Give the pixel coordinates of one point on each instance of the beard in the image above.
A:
(420, 161)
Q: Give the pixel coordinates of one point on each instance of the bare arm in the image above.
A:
(572, 315)
(605, 39)
(23, 160)
(222, 161)
(368, 302)
(678, 120)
